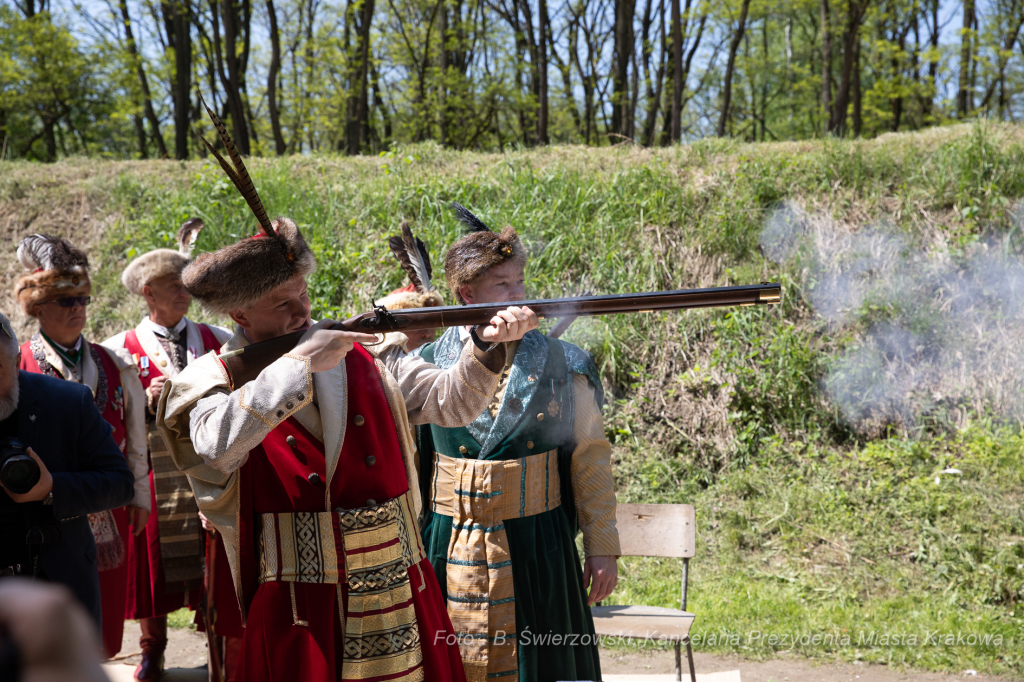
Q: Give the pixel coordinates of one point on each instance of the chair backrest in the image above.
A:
(667, 530)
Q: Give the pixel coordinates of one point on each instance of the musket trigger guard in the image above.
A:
(377, 343)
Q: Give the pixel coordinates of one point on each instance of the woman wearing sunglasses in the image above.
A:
(55, 291)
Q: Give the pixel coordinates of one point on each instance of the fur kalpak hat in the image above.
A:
(479, 251)
(162, 262)
(412, 254)
(56, 268)
(239, 274)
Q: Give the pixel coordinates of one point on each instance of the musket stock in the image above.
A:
(245, 364)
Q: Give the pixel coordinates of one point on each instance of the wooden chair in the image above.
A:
(664, 530)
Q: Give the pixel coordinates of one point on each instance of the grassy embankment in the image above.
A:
(808, 524)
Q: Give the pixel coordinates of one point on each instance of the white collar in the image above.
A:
(78, 344)
(464, 334)
(164, 331)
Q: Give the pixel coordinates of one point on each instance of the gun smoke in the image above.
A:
(928, 333)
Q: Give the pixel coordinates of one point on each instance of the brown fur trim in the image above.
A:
(44, 285)
(403, 300)
(478, 252)
(150, 266)
(234, 277)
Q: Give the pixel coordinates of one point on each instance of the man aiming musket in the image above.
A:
(306, 469)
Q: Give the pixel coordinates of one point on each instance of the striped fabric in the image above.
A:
(370, 550)
(480, 495)
(181, 535)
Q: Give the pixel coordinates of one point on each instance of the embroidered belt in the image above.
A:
(480, 495)
(370, 550)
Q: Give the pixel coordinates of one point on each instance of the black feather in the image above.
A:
(464, 216)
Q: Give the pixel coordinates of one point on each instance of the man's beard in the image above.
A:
(9, 401)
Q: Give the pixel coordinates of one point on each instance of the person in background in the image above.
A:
(507, 494)
(166, 561)
(56, 291)
(82, 473)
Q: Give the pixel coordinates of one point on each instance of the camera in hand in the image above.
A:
(18, 471)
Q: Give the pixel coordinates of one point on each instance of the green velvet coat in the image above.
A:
(554, 625)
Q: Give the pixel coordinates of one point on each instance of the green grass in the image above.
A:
(806, 524)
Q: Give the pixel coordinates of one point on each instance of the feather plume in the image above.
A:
(464, 216)
(188, 233)
(239, 176)
(40, 252)
(412, 253)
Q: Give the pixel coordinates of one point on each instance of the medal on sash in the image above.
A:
(144, 365)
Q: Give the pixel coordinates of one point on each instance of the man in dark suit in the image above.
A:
(82, 472)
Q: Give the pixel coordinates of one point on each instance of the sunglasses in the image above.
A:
(72, 301)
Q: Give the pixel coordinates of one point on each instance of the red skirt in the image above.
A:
(112, 591)
(275, 650)
(147, 591)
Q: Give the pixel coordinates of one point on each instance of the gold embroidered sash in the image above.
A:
(371, 550)
(480, 495)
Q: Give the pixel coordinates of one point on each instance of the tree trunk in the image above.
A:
(178, 26)
(147, 101)
(730, 68)
(826, 61)
(235, 77)
(858, 119)
(676, 125)
(851, 35)
(272, 75)
(542, 72)
(358, 80)
(963, 95)
(624, 10)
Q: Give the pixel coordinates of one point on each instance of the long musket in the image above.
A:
(245, 364)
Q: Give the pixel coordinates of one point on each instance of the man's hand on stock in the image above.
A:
(41, 489)
(325, 348)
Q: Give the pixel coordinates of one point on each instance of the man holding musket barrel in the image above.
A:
(307, 469)
(508, 492)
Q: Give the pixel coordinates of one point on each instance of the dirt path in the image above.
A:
(187, 649)
(782, 669)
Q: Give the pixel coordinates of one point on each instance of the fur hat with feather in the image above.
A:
(479, 250)
(162, 262)
(414, 258)
(56, 268)
(240, 274)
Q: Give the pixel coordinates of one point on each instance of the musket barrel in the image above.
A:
(245, 364)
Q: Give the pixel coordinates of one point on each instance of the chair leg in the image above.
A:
(689, 656)
(679, 663)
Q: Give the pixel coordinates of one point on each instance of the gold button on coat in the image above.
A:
(540, 417)
(529, 444)
(359, 420)
(163, 363)
(462, 449)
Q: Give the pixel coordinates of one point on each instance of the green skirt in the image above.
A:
(556, 630)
